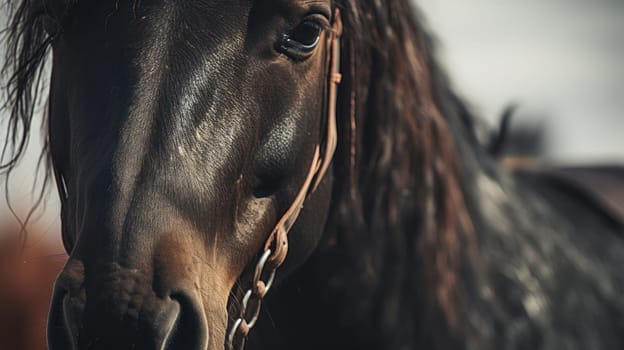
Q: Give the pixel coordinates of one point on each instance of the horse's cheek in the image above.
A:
(310, 226)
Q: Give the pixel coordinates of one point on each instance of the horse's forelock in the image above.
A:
(22, 75)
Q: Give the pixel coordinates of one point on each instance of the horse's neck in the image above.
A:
(531, 238)
(541, 248)
(371, 293)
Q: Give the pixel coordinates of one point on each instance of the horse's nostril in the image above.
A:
(190, 330)
(61, 325)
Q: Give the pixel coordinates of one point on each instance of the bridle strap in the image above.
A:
(279, 236)
(335, 77)
(276, 246)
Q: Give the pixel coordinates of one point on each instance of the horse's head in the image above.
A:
(181, 132)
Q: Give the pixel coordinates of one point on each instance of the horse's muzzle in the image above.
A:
(123, 316)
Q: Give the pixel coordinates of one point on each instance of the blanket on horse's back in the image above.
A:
(601, 186)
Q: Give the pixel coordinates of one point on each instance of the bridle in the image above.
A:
(276, 246)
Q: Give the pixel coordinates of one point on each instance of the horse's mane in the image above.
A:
(399, 206)
(401, 180)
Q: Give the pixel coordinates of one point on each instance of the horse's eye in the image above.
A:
(300, 42)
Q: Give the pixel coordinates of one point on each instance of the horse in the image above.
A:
(293, 174)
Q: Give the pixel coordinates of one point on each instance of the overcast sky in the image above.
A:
(561, 60)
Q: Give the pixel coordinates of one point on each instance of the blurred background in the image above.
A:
(560, 61)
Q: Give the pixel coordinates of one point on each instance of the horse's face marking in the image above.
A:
(182, 131)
